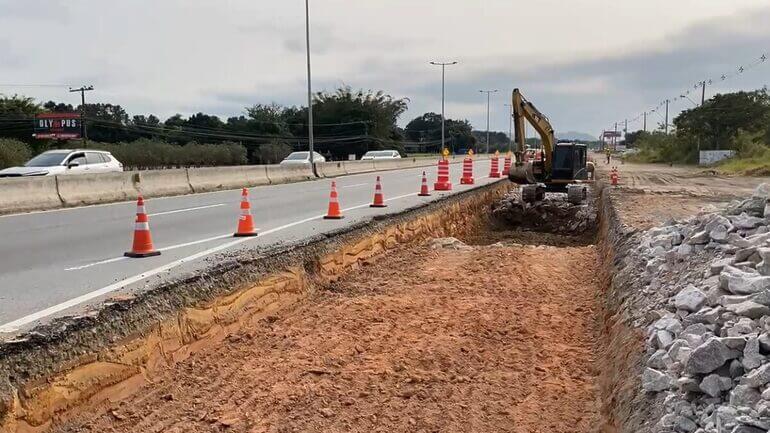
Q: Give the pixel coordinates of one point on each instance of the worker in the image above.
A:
(609, 155)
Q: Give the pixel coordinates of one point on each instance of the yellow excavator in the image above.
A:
(561, 166)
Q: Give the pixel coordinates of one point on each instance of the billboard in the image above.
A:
(59, 126)
(612, 134)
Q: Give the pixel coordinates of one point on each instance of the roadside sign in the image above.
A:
(59, 126)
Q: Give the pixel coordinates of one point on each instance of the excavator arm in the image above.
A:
(524, 110)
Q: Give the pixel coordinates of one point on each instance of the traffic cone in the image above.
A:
(424, 191)
(245, 221)
(334, 212)
(142, 239)
(379, 200)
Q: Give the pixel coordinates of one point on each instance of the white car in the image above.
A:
(64, 161)
(380, 154)
(302, 158)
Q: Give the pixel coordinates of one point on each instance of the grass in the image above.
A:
(757, 165)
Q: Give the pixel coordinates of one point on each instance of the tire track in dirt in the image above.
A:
(472, 340)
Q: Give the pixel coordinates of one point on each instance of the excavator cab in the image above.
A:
(569, 161)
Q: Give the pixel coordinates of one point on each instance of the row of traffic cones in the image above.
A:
(143, 247)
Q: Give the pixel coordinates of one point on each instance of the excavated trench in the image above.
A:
(512, 325)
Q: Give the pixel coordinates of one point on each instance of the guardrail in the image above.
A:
(42, 193)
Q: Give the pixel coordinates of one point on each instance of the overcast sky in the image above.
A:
(584, 63)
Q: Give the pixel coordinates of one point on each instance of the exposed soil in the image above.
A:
(482, 339)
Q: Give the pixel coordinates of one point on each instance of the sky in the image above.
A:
(583, 63)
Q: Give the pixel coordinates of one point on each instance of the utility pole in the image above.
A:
(510, 128)
(667, 101)
(309, 87)
(625, 131)
(443, 75)
(645, 121)
(615, 138)
(488, 92)
(83, 90)
(703, 92)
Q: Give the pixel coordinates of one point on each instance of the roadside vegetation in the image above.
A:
(346, 122)
(739, 122)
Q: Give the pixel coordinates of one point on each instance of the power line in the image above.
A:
(737, 71)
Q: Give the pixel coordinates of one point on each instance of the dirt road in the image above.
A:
(473, 340)
(650, 194)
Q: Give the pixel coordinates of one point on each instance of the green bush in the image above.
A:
(665, 148)
(272, 153)
(146, 154)
(13, 153)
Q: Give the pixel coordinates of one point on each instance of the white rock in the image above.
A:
(749, 309)
(690, 299)
(751, 356)
(709, 356)
(742, 283)
(714, 385)
(655, 381)
(758, 377)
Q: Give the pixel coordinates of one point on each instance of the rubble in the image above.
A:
(709, 348)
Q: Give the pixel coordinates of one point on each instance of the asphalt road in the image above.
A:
(58, 262)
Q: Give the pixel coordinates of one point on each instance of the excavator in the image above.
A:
(561, 167)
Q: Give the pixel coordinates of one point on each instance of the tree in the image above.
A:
(717, 122)
(58, 107)
(366, 119)
(16, 117)
(106, 122)
(427, 129)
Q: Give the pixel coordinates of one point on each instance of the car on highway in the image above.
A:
(302, 158)
(381, 154)
(66, 161)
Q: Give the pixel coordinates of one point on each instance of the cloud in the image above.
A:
(598, 62)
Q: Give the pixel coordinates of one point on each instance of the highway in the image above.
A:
(59, 262)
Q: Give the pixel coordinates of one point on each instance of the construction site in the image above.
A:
(643, 308)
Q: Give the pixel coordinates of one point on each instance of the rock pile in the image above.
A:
(553, 214)
(709, 344)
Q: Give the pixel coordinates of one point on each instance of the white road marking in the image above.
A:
(354, 186)
(15, 324)
(189, 209)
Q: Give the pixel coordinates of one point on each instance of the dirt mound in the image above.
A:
(553, 214)
(454, 340)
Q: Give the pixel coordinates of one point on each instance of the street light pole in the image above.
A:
(488, 92)
(443, 75)
(309, 87)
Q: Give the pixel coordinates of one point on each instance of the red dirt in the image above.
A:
(491, 339)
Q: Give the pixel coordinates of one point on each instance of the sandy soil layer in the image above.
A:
(472, 340)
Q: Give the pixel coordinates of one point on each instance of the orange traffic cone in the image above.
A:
(142, 239)
(424, 191)
(334, 212)
(245, 221)
(379, 200)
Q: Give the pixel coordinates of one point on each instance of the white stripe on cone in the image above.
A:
(145, 227)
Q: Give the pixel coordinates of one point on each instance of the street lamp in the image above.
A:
(488, 92)
(309, 87)
(443, 67)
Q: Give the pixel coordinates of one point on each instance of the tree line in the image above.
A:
(738, 121)
(346, 122)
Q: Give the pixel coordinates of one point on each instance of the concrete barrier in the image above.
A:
(289, 173)
(76, 190)
(205, 179)
(352, 167)
(28, 193)
(160, 183)
(330, 169)
(257, 175)
(392, 164)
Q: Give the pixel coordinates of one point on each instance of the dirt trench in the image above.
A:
(499, 334)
